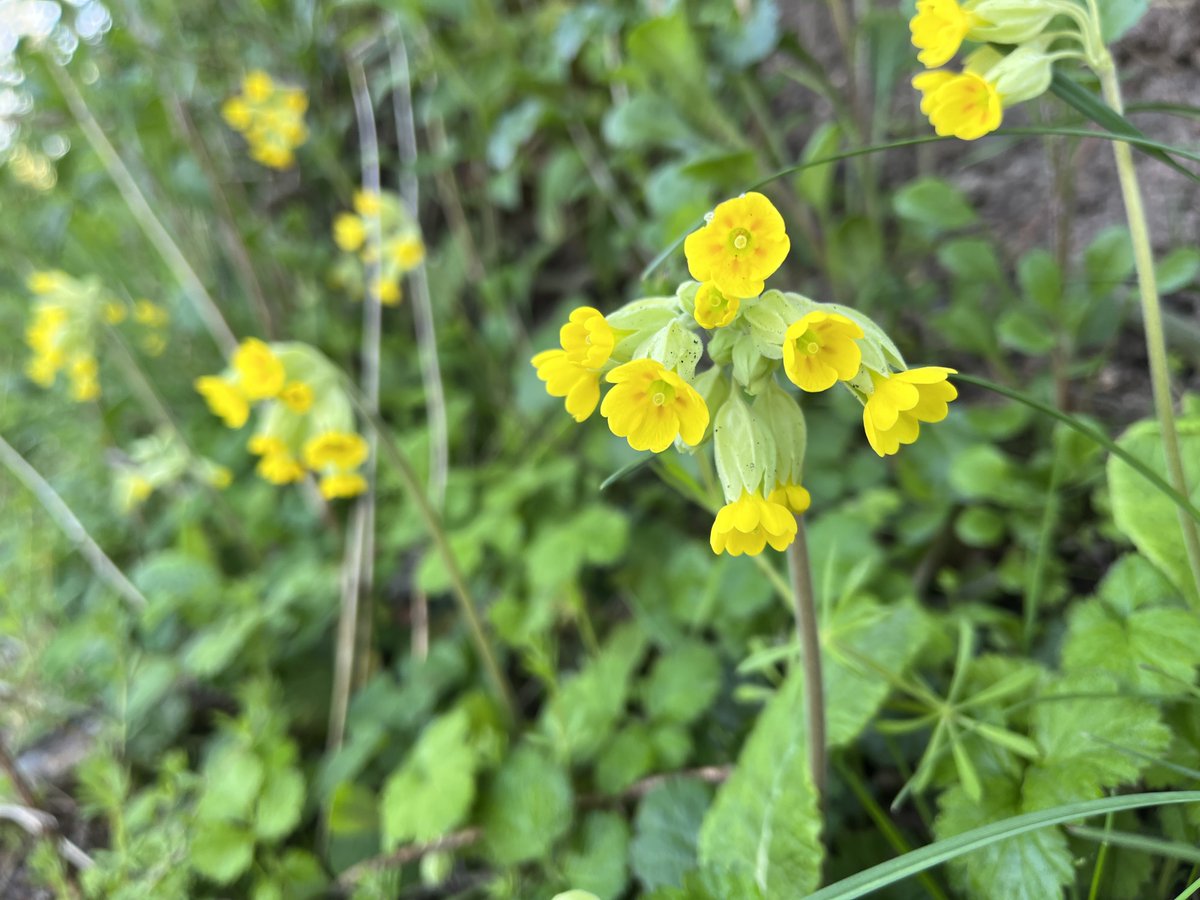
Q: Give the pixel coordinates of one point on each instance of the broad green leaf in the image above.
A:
(816, 183)
(1108, 260)
(1076, 762)
(1021, 330)
(1118, 16)
(596, 861)
(233, 777)
(971, 260)
(933, 203)
(1148, 518)
(1148, 644)
(1030, 866)
(280, 803)
(645, 120)
(1041, 279)
(432, 790)
(1177, 269)
(628, 757)
(666, 830)
(526, 808)
(683, 683)
(221, 851)
(762, 832)
(583, 713)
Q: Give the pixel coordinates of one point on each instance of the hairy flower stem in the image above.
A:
(1156, 346)
(805, 608)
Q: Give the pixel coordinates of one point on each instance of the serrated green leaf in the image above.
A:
(527, 807)
(666, 832)
(233, 776)
(280, 803)
(596, 861)
(431, 792)
(221, 851)
(683, 683)
(1076, 762)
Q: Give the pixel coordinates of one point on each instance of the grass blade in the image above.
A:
(1131, 841)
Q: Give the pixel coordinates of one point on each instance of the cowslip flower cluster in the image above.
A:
(66, 317)
(396, 245)
(158, 461)
(970, 103)
(767, 349)
(271, 118)
(305, 421)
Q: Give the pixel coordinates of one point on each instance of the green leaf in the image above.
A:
(221, 851)
(1023, 331)
(1108, 260)
(815, 184)
(1149, 519)
(233, 776)
(1149, 646)
(1076, 764)
(627, 758)
(762, 832)
(1177, 269)
(1041, 279)
(1030, 866)
(604, 532)
(1118, 16)
(280, 803)
(583, 713)
(526, 808)
(934, 203)
(666, 830)
(682, 684)
(971, 260)
(432, 790)
(645, 120)
(596, 862)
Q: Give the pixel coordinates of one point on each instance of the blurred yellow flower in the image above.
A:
(42, 283)
(237, 113)
(749, 523)
(224, 399)
(900, 402)
(938, 30)
(742, 245)
(819, 350)
(280, 468)
(367, 203)
(260, 373)
(349, 232)
(388, 291)
(650, 406)
(297, 396)
(340, 449)
(267, 445)
(150, 314)
(114, 313)
(258, 86)
(407, 252)
(342, 484)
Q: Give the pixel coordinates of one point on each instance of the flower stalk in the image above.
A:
(805, 610)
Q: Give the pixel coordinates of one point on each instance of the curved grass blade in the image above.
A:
(626, 469)
(1140, 842)
(902, 867)
(1102, 439)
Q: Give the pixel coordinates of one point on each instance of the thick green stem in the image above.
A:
(1156, 345)
(805, 609)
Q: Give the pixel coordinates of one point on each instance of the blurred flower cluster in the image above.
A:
(67, 318)
(649, 351)
(305, 419)
(379, 231)
(157, 461)
(271, 117)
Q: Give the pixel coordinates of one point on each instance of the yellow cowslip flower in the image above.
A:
(342, 484)
(138, 488)
(388, 291)
(340, 449)
(819, 350)
(901, 402)
(154, 344)
(966, 105)
(587, 337)
(742, 244)
(938, 30)
(42, 283)
(258, 86)
(712, 308)
(42, 371)
(85, 385)
(260, 372)
(280, 468)
(43, 333)
(349, 232)
(297, 396)
(114, 313)
(566, 378)
(236, 112)
(224, 399)
(273, 156)
(367, 203)
(407, 252)
(150, 314)
(794, 497)
(749, 523)
(267, 445)
(650, 406)
(928, 83)
(295, 101)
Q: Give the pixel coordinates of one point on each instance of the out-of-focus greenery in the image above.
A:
(1006, 624)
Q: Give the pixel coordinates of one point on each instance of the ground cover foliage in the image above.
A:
(1008, 621)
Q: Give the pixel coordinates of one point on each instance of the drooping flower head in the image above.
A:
(340, 485)
(740, 246)
(900, 402)
(297, 396)
(820, 349)
(749, 523)
(567, 378)
(587, 337)
(712, 308)
(938, 30)
(224, 399)
(339, 449)
(650, 406)
(965, 105)
(793, 497)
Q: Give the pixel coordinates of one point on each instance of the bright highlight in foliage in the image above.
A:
(749, 523)
(900, 402)
(819, 350)
(742, 245)
(650, 406)
(938, 30)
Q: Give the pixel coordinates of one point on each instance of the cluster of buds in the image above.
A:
(157, 461)
(970, 103)
(270, 116)
(305, 420)
(61, 335)
(379, 232)
(650, 349)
